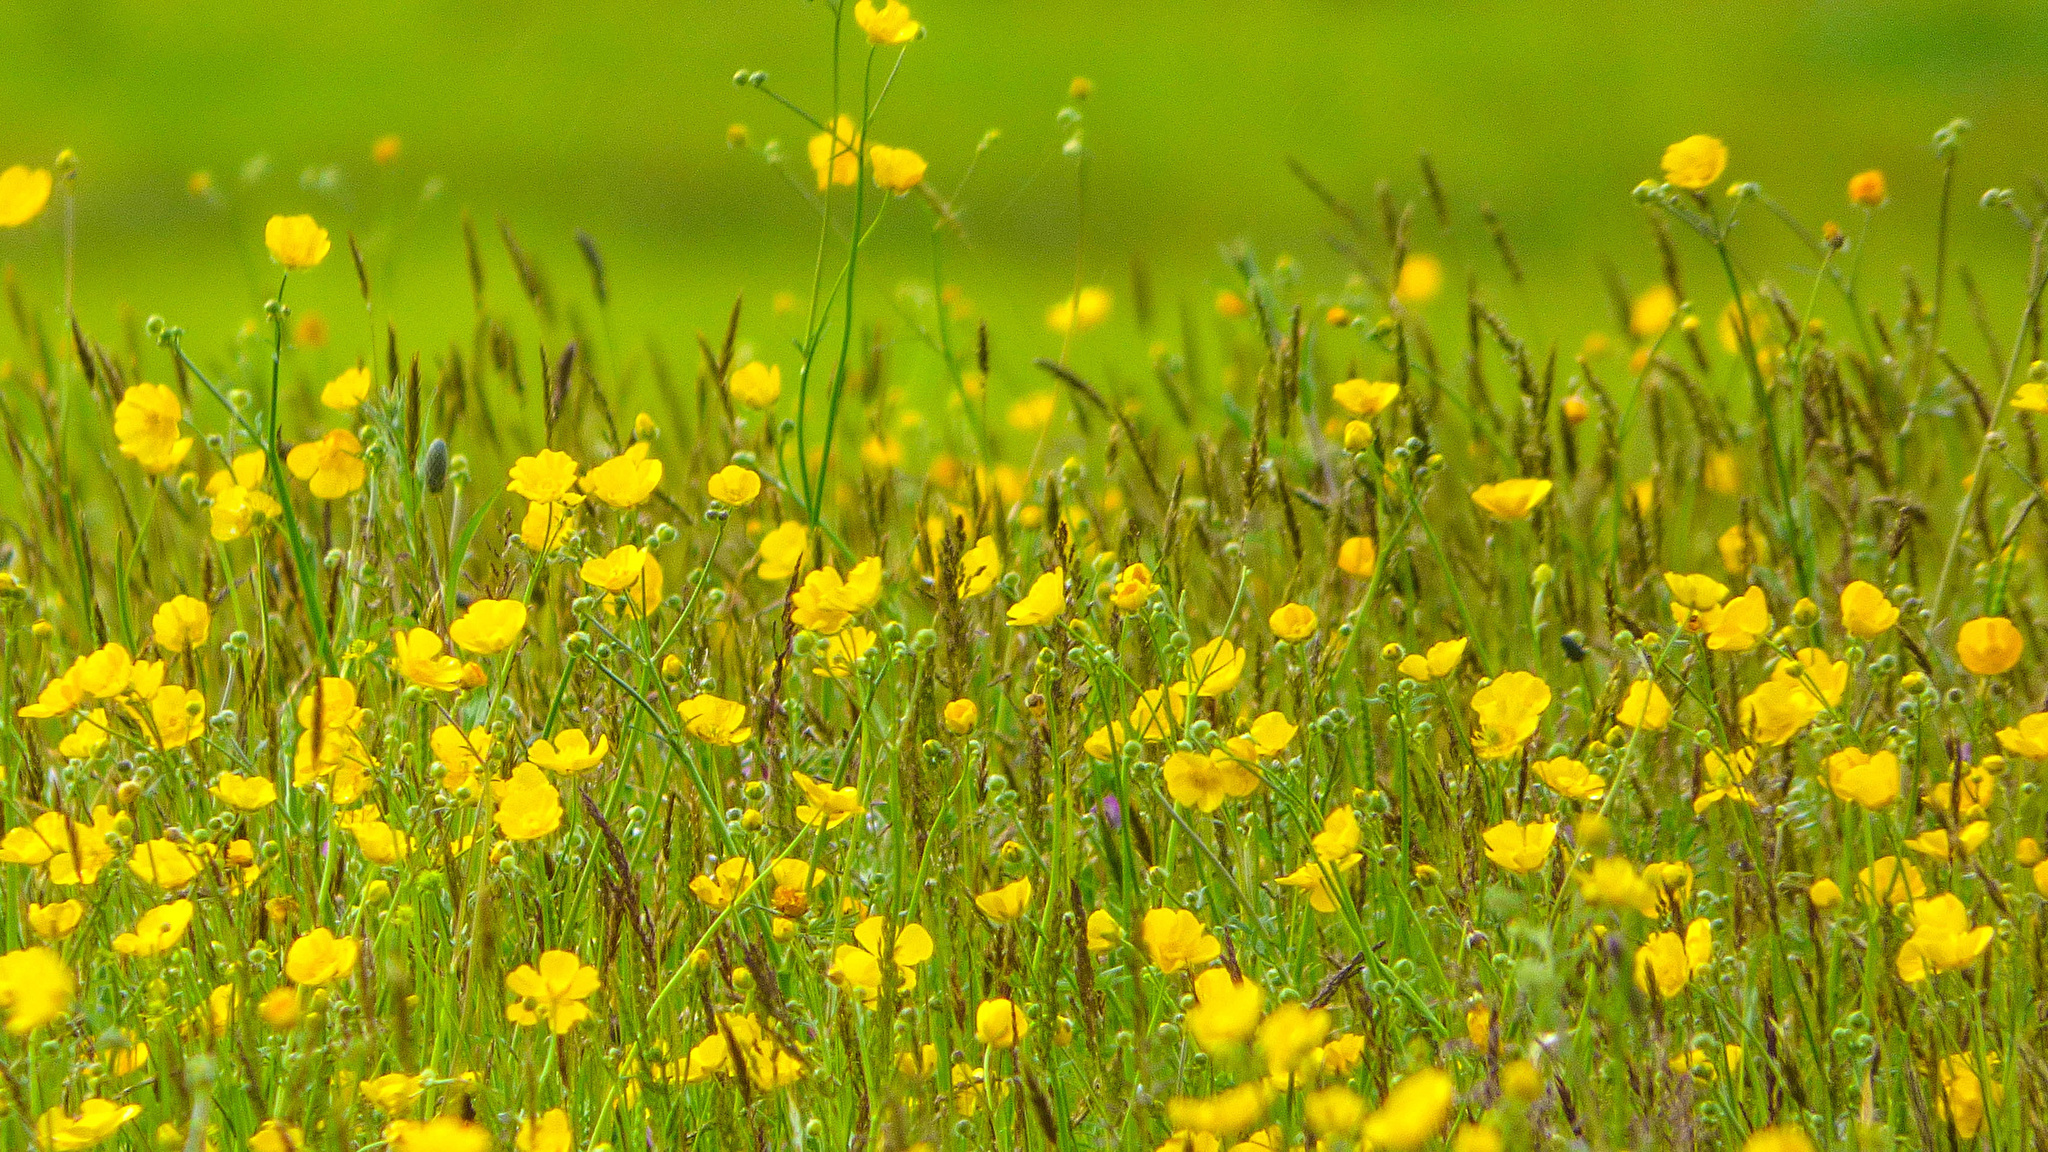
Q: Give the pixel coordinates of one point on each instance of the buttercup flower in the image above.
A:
(1866, 613)
(296, 242)
(1511, 499)
(1175, 939)
(625, 480)
(488, 627)
(1520, 847)
(887, 26)
(331, 466)
(320, 957)
(1989, 645)
(24, 192)
(553, 990)
(146, 426)
(1695, 162)
(755, 384)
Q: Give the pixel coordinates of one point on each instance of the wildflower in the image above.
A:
(1736, 626)
(827, 602)
(164, 863)
(755, 384)
(1289, 1035)
(320, 957)
(734, 486)
(1867, 190)
(1366, 398)
(1133, 587)
(1006, 903)
(279, 1008)
(1644, 707)
(548, 1132)
(392, 1093)
(999, 1023)
(1175, 939)
(346, 391)
(1570, 778)
(1989, 645)
(146, 427)
(331, 466)
(860, 964)
(1724, 777)
(416, 655)
(1776, 710)
(1824, 894)
(528, 806)
(544, 478)
(296, 242)
(1695, 162)
(625, 480)
(1942, 939)
(55, 921)
(1508, 710)
(277, 1136)
(897, 170)
(961, 716)
(1966, 793)
(1667, 961)
(1817, 672)
(1044, 603)
(488, 627)
(1520, 847)
(553, 990)
(24, 192)
(96, 1122)
(1866, 613)
(1271, 733)
(1080, 311)
(239, 503)
(980, 567)
(545, 525)
(181, 624)
(1202, 781)
(781, 550)
(1862, 778)
(1440, 661)
(86, 738)
(1614, 882)
(1511, 499)
(724, 883)
(1313, 879)
(715, 720)
(2028, 738)
(1940, 844)
(835, 154)
(1960, 1100)
(1216, 667)
(1104, 933)
(1227, 1113)
(35, 988)
(569, 752)
(1414, 1111)
(1292, 622)
(1888, 881)
(1421, 278)
(1358, 556)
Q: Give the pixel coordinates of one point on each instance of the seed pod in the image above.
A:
(435, 467)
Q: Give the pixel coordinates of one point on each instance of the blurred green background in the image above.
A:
(613, 117)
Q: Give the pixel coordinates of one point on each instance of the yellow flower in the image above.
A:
(724, 883)
(781, 550)
(755, 384)
(24, 192)
(1292, 622)
(1104, 933)
(961, 716)
(896, 169)
(1644, 707)
(1421, 278)
(1614, 882)
(1000, 1024)
(545, 525)
(1413, 1112)
(460, 755)
(1776, 710)
(734, 486)
(1291, 1034)
(1044, 603)
(1313, 879)
(331, 466)
(160, 929)
(1861, 778)
(146, 427)
(859, 964)
(2028, 738)
(239, 503)
(1226, 1010)
(569, 752)
(488, 627)
(1817, 672)
(825, 805)
(888, 26)
(392, 1093)
(2031, 397)
(320, 957)
(629, 572)
(35, 988)
(1736, 625)
(1866, 613)
(1942, 939)
(164, 863)
(1960, 1100)
(1520, 847)
(1200, 1120)
(1079, 312)
(1440, 661)
(1940, 844)
(827, 602)
(1889, 881)
(346, 391)
(277, 1136)
(181, 623)
(1133, 587)
(1358, 556)
(1508, 709)
(1202, 781)
(1666, 961)
(1695, 162)
(96, 1122)
(55, 921)
(625, 480)
(553, 990)
(1720, 473)
(1866, 189)
(1174, 939)
(715, 720)
(1271, 733)
(416, 655)
(441, 1134)
(835, 155)
(548, 1132)
(1367, 398)
(1006, 903)
(1511, 499)
(544, 478)
(296, 242)
(1570, 778)
(88, 737)
(1989, 645)
(1215, 667)
(528, 806)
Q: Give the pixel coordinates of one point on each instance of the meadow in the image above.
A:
(1312, 703)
